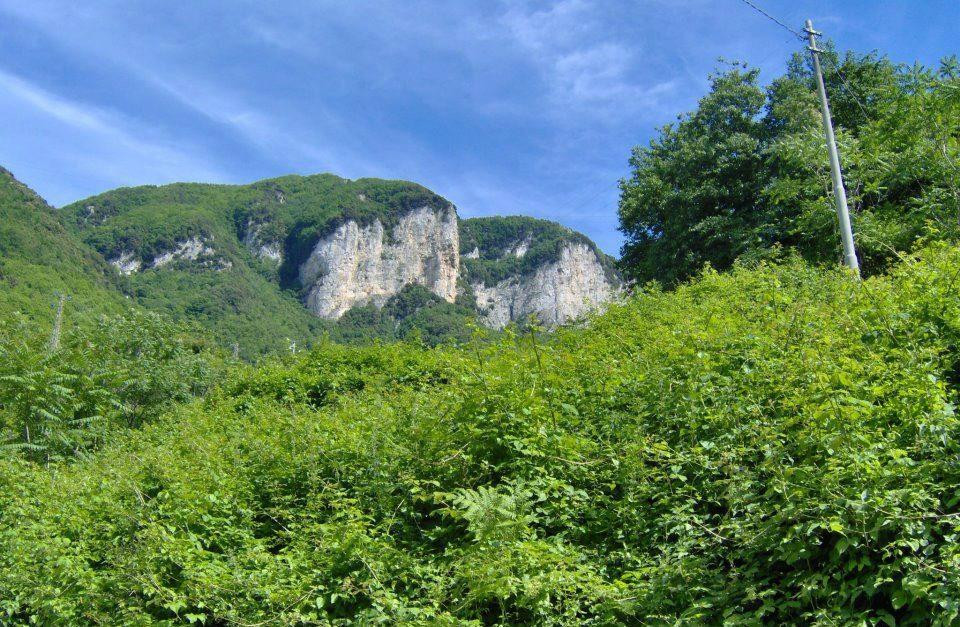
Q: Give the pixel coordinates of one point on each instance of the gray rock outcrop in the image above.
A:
(556, 292)
(356, 265)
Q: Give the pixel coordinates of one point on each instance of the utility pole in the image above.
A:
(57, 322)
(843, 213)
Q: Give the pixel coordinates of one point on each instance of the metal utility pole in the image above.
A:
(843, 213)
(57, 322)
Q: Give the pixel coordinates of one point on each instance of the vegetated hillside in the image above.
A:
(775, 445)
(227, 255)
(415, 314)
(151, 220)
(497, 247)
(40, 259)
(234, 258)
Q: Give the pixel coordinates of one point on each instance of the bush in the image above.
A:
(56, 402)
(777, 444)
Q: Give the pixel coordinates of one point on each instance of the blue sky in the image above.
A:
(502, 106)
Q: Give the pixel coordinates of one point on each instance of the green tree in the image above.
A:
(897, 132)
(694, 196)
(748, 170)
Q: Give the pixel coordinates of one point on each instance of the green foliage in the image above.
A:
(773, 445)
(234, 306)
(121, 373)
(39, 258)
(747, 172)
(901, 167)
(415, 313)
(497, 240)
(236, 297)
(695, 193)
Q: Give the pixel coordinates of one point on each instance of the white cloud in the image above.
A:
(267, 132)
(586, 71)
(563, 24)
(597, 76)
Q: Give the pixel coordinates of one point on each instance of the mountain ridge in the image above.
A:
(290, 259)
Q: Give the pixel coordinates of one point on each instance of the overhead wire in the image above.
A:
(779, 23)
(836, 68)
(846, 86)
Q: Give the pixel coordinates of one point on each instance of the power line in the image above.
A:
(793, 32)
(846, 86)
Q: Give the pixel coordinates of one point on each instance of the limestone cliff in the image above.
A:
(260, 245)
(194, 249)
(360, 264)
(356, 265)
(518, 266)
(556, 292)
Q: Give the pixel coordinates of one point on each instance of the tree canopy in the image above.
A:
(747, 172)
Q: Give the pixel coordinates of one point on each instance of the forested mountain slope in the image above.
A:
(40, 259)
(212, 253)
(289, 259)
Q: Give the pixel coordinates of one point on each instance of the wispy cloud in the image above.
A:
(66, 112)
(585, 69)
(129, 146)
(275, 136)
(271, 134)
(518, 106)
(597, 76)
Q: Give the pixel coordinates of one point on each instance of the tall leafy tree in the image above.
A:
(748, 170)
(897, 128)
(694, 194)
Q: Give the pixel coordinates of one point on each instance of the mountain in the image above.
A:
(518, 266)
(290, 258)
(40, 258)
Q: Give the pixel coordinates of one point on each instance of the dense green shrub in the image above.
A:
(776, 444)
(58, 401)
(414, 313)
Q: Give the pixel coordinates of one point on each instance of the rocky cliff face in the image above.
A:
(262, 247)
(338, 244)
(356, 265)
(193, 249)
(555, 292)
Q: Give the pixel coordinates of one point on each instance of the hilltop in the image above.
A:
(290, 259)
